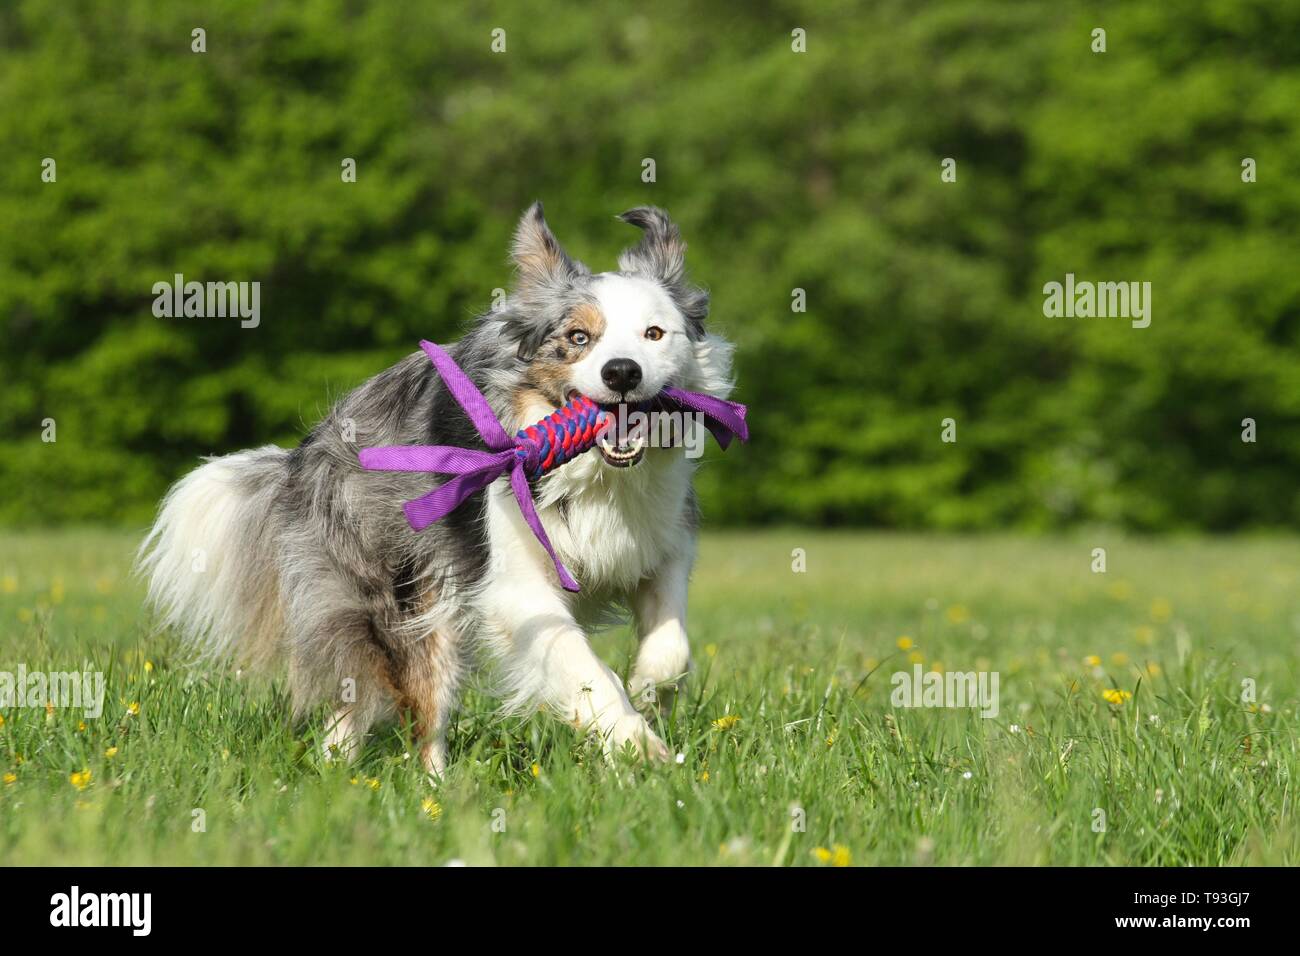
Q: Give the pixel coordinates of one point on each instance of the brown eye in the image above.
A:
(654, 333)
(579, 337)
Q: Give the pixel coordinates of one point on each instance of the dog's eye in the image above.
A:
(654, 333)
(579, 337)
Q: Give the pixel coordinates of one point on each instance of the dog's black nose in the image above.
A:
(622, 375)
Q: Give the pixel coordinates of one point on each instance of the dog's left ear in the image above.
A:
(661, 256)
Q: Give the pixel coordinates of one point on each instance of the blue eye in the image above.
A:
(579, 337)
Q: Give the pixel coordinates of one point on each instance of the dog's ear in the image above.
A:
(537, 254)
(661, 256)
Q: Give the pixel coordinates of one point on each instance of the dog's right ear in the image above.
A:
(537, 254)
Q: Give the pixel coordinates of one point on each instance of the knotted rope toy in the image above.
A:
(534, 451)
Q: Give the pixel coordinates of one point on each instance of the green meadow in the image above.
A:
(1146, 715)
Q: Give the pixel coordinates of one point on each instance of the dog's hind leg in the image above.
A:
(341, 736)
(428, 679)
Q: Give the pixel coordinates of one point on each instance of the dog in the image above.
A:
(301, 557)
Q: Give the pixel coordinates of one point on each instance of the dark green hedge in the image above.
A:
(818, 171)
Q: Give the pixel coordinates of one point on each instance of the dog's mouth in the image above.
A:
(619, 451)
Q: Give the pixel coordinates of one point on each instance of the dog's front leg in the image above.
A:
(545, 654)
(547, 657)
(664, 658)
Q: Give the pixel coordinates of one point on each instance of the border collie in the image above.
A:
(302, 557)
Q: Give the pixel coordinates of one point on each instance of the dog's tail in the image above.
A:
(210, 562)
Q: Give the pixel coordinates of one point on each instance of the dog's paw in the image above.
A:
(650, 696)
(632, 729)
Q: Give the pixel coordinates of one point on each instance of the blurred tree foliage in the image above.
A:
(818, 171)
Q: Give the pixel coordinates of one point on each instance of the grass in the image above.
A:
(818, 769)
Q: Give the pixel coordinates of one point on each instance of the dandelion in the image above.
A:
(110, 753)
(1153, 669)
(431, 808)
(904, 643)
(80, 779)
(727, 722)
(10, 778)
(1113, 695)
(704, 777)
(2, 720)
(711, 650)
(373, 783)
(537, 770)
(81, 725)
(148, 667)
(830, 741)
(957, 614)
(916, 657)
(1092, 660)
(837, 855)
(133, 708)
(9, 584)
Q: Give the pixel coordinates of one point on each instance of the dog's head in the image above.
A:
(616, 337)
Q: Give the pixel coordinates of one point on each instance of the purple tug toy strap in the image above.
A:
(536, 450)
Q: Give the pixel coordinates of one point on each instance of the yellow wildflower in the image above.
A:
(431, 808)
(1161, 609)
(80, 779)
(9, 584)
(110, 753)
(727, 722)
(1092, 660)
(958, 614)
(10, 778)
(1153, 669)
(904, 643)
(916, 657)
(537, 770)
(1115, 696)
(1119, 658)
(711, 650)
(837, 855)
(373, 783)
(133, 708)
(148, 667)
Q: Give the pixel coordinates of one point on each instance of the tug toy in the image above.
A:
(534, 451)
